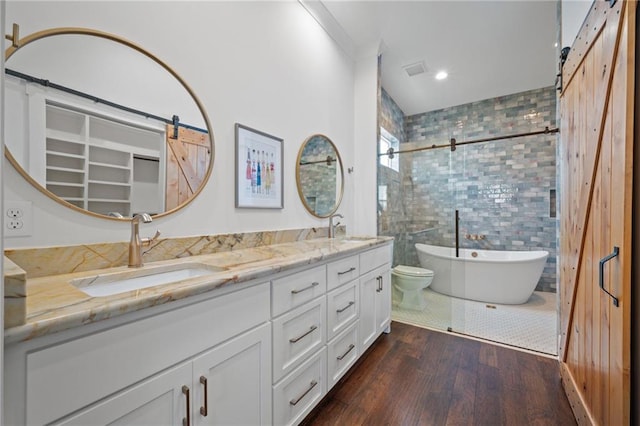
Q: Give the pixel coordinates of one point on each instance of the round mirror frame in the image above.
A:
(17, 44)
(299, 183)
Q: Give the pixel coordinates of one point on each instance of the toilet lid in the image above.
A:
(412, 271)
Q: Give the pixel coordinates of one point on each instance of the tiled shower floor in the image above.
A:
(531, 326)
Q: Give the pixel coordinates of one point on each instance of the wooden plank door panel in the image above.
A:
(188, 159)
(596, 146)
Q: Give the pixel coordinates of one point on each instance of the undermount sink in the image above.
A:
(119, 282)
(355, 239)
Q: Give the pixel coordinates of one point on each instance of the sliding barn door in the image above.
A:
(188, 158)
(596, 142)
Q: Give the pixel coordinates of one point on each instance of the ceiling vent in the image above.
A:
(414, 69)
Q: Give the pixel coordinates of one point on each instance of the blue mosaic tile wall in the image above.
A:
(391, 215)
(391, 116)
(503, 190)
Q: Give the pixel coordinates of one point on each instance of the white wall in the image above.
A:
(365, 139)
(267, 65)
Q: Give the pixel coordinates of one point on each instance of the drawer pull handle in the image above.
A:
(311, 386)
(353, 268)
(346, 307)
(313, 284)
(186, 421)
(204, 410)
(351, 346)
(379, 279)
(311, 330)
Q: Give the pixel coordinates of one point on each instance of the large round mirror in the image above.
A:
(319, 176)
(102, 126)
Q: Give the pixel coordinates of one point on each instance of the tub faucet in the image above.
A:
(135, 244)
(332, 227)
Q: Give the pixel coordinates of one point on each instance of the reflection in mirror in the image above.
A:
(103, 126)
(319, 176)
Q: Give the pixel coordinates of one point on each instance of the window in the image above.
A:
(387, 140)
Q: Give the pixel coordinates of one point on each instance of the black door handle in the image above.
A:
(604, 260)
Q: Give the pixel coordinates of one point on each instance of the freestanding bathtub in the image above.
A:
(507, 277)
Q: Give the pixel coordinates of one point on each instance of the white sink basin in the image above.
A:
(120, 282)
(356, 239)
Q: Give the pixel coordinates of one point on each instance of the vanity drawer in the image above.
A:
(342, 271)
(342, 353)
(296, 395)
(297, 289)
(296, 335)
(343, 305)
(371, 259)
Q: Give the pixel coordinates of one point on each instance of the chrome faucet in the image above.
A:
(332, 227)
(136, 243)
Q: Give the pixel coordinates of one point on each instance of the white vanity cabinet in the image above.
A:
(142, 369)
(251, 353)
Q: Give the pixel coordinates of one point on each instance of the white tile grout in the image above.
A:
(531, 326)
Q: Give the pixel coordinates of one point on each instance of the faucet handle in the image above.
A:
(148, 241)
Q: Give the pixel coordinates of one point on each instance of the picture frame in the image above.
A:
(259, 164)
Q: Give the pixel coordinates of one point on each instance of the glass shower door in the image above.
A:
(419, 199)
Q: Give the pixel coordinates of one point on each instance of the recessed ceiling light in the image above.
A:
(441, 75)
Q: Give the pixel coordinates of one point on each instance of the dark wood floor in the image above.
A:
(414, 376)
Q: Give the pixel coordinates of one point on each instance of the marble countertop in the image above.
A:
(53, 304)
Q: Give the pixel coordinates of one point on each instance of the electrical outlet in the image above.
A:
(14, 224)
(15, 212)
(18, 219)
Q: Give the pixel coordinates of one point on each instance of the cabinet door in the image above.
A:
(159, 400)
(375, 305)
(233, 381)
(368, 323)
(383, 300)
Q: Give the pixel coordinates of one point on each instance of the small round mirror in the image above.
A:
(319, 176)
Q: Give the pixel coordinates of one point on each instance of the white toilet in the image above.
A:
(408, 283)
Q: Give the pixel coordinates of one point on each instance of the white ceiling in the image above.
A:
(489, 48)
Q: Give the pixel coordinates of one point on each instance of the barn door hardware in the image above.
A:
(175, 120)
(564, 53)
(604, 260)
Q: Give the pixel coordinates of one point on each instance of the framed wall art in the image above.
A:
(259, 181)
